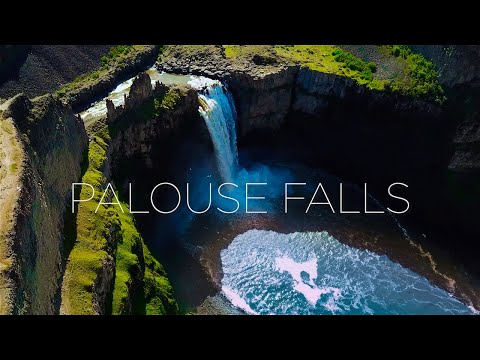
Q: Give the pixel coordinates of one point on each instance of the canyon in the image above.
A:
(324, 120)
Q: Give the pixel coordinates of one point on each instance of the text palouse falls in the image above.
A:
(222, 192)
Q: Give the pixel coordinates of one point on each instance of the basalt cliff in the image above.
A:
(88, 262)
(361, 134)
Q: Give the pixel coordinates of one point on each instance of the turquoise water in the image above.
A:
(313, 273)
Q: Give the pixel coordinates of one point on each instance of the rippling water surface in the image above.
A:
(313, 273)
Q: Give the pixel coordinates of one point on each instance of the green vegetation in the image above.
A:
(94, 235)
(117, 56)
(419, 79)
(332, 60)
(156, 297)
(168, 100)
(161, 50)
(93, 230)
(115, 52)
(149, 110)
(230, 51)
(353, 63)
(238, 51)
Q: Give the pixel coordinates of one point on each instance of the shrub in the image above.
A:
(372, 66)
(105, 61)
(396, 51)
(421, 78)
(353, 63)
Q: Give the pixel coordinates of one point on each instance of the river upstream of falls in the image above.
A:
(295, 263)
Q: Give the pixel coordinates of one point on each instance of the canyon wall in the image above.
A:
(369, 136)
(110, 269)
(52, 140)
(39, 69)
(456, 64)
(459, 72)
(145, 132)
(88, 91)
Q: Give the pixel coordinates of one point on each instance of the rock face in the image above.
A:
(129, 136)
(138, 138)
(315, 91)
(38, 69)
(263, 102)
(12, 56)
(466, 158)
(266, 91)
(54, 140)
(140, 91)
(456, 64)
(459, 69)
(90, 91)
(262, 87)
(363, 135)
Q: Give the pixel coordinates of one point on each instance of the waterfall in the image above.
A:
(218, 110)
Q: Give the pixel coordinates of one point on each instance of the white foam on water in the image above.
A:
(313, 273)
(201, 82)
(307, 288)
(237, 300)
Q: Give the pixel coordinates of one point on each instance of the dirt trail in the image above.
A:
(10, 169)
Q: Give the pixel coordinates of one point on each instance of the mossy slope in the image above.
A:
(134, 262)
(111, 235)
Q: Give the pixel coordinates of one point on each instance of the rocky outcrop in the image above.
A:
(103, 286)
(53, 140)
(261, 87)
(138, 137)
(140, 92)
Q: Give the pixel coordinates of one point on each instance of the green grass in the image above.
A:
(117, 55)
(150, 109)
(169, 100)
(91, 247)
(115, 52)
(332, 60)
(237, 51)
(420, 79)
(157, 295)
(230, 51)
